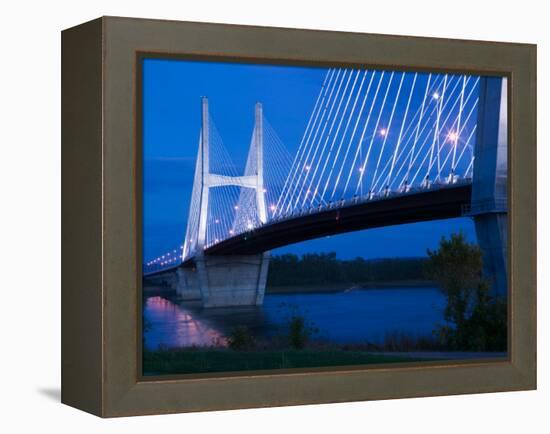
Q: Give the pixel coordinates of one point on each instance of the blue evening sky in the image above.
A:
(171, 126)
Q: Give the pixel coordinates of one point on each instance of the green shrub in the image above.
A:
(300, 332)
(476, 320)
(240, 339)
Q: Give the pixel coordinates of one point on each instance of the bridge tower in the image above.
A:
(489, 187)
(235, 280)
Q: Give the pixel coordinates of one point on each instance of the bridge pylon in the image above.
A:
(234, 280)
(489, 187)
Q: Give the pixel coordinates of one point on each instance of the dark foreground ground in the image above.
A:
(219, 360)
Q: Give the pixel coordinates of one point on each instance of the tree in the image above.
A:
(476, 321)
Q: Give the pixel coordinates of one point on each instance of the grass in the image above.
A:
(191, 361)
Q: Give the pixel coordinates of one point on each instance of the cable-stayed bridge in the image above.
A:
(380, 148)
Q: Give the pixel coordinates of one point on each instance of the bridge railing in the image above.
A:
(368, 198)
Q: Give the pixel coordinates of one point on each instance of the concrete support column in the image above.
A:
(489, 206)
(233, 280)
(202, 278)
(187, 286)
(262, 278)
(492, 237)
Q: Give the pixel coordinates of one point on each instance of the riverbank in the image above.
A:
(346, 287)
(167, 292)
(191, 361)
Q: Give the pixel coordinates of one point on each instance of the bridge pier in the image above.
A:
(491, 231)
(236, 280)
(222, 281)
(489, 187)
(187, 284)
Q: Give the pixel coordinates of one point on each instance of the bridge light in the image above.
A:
(307, 168)
(435, 95)
(272, 207)
(453, 136)
(231, 231)
(265, 190)
(236, 207)
(383, 132)
(361, 169)
(217, 220)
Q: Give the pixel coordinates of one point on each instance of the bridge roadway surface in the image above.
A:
(416, 206)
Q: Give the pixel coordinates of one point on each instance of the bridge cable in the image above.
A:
(306, 192)
(303, 190)
(299, 166)
(362, 136)
(429, 168)
(349, 146)
(458, 127)
(316, 109)
(328, 178)
(449, 114)
(386, 167)
(364, 165)
(401, 130)
(296, 193)
(387, 129)
(349, 119)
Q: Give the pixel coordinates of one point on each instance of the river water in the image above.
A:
(358, 316)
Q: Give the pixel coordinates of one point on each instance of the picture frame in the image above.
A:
(101, 217)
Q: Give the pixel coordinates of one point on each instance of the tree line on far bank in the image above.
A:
(326, 269)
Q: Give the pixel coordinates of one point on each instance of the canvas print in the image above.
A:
(308, 216)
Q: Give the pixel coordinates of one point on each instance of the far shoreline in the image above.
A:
(166, 292)
(347, 287)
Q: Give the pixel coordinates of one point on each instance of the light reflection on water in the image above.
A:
(342, 317)
(173, 325)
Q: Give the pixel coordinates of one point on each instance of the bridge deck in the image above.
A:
(432, 204)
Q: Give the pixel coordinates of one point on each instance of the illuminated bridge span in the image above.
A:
(380, 148)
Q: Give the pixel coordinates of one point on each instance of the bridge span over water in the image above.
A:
(380, 149)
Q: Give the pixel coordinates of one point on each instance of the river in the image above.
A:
(358, 316)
